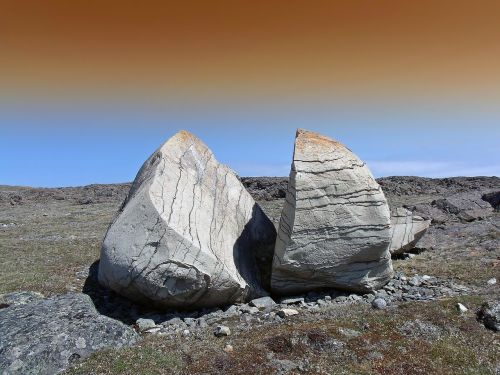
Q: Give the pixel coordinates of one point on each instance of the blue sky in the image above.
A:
(70, 146)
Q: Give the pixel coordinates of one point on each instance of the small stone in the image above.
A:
(153, 330)
(292, 301)
(190, 321)
(145, 324)
(284, 313)
(262, 302)
(202, 323)
(232, 310)
(228, 348)
(347, 332)
(492, 281)
(249, 309)
(415, 281)
(173, 322)
(221, 331)
(186, 333)
(489, 314)
(379, 303)
(355, 297)
(461, 308)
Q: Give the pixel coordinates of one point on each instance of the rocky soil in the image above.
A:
(416, 324)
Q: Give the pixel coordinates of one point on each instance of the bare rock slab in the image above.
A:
(46, 336)
(189, 235)
(406, 230)
(335, 225)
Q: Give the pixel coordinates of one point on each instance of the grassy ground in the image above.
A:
(50, 246)
(449, 343)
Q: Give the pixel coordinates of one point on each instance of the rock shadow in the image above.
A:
(253, 251)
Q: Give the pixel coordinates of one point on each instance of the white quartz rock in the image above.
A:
(188, 235)
(335, 224)
(406, 230)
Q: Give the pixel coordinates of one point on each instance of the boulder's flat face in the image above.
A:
(335, 225)
(46, 336)
(189, 235)
(406, 230)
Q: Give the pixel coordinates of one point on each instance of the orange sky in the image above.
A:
(250, 48)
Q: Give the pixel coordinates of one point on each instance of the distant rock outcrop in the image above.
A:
(189, 234)
(45, 336)
(335, 225)
(466, 207)
(407, 229)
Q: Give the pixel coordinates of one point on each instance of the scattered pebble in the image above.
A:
(293, 301)
(489, 314)
(249, 309)
(347, 332)
(262, 302)
(492, 281)
(228, 348)
(461, 308)
(379, 303)
(284, 313)
(145, 324)
(221, 331)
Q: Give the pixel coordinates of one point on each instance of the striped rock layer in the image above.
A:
(188, 235)
(335, 225)
(406, 230)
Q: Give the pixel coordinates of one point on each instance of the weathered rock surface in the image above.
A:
(406, 230)
(493, 199)
(188, 235)
(19, 298)
(489, 314)
(48, 335)
(466, 207)
(335, 225)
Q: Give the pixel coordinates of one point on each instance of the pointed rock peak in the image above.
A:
(310, 143)
(184, 140)
(185, 137)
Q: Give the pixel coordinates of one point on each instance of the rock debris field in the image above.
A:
(193, 270)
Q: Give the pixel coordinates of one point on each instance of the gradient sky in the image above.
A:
(90, 88)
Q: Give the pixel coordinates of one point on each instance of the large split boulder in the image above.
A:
(406, 230)
(188, 235)
(46, 336)
(335, 225)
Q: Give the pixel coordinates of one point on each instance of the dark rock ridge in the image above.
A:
(45, 336)
(418, 189)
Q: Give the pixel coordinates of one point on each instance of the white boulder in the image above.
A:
(188, 235)
(335, 224)
(406, 230)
